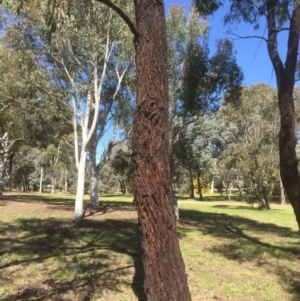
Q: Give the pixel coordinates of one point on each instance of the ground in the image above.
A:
(231, 251)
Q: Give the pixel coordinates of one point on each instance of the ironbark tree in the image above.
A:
(165, 277)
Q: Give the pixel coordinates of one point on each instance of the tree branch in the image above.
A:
(123, 15)
(247, 37)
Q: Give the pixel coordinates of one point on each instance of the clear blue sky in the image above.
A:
(252, 54)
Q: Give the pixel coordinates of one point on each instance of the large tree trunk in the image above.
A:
(287, 151)
(285, 76)
(165, 277)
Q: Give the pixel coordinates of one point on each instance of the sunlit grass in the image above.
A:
(232, 250)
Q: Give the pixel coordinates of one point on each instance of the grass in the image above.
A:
(232, 251)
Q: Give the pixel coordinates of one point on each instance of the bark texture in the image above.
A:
(285, 75)
(94, 172)
(165, 277)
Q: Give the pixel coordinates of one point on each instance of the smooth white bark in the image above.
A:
(3, 174)
(282, 195)
(80, 187)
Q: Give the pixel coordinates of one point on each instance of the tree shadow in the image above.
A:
(78, 262)
(242, 240)
(210, 198)
(39, 198)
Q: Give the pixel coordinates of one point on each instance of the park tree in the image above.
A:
(93, 71)
(165, 277)
(197, 83)
(120, 165)
(30, 110)
(253, 153)
(278, 17)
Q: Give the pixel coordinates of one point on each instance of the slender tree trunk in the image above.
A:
(192, 187)
(282, 195)
(80, 187)
(199, 186)
(10, 174)
(41, 181)
(3, 174)
(122, 186)
(165, 277)
(228, 190)
(175, 202)
(94, 186)
(66, 182)
(53, 182)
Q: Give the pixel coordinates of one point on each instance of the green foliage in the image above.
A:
(197, 83)
(21, 176)
(253, 154)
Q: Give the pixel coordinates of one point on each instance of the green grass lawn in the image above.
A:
(232, 251)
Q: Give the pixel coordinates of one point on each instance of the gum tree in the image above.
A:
(165, 277)
(279, 16)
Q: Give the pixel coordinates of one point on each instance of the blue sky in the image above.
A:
(252, 54)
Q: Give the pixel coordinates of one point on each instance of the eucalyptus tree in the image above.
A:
(278, 17)
(92, 70)
(25, 167)
(197, 83)
(182, 32)
(165, 277)
(120, 165)
(21, 114)
(254, 121)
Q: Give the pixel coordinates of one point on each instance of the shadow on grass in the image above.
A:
(77, 262)
(239, 239)
(40, 198)
(210, 198)
(65, 202)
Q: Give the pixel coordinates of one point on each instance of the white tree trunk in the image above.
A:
(66, 181)
(282, 195)
(212, 187)
(94, 187)
(175, 202)
(2, 175)
(94, 172)
(53, 180)
(80, 187)
(41, 181)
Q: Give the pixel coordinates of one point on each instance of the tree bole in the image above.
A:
(165, 277)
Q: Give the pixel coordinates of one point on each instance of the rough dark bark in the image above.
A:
(285, 76)
(165, 277)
